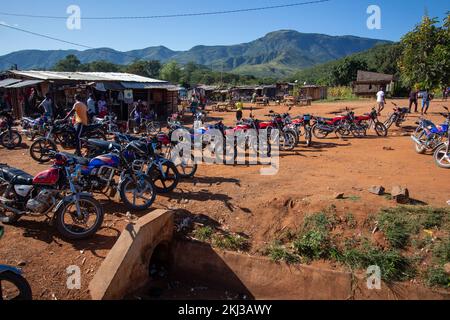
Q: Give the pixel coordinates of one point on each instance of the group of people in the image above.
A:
(414, 97)
(141, 111)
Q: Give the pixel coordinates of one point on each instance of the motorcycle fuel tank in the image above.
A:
(47, 178)
(108, 160)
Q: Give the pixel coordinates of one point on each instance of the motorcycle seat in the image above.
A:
(78, 160)
(16, 176)
(104, 145)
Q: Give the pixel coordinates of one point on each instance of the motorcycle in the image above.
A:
(302, 122)
(9, 138)
(13, 286)
(51, 192)
(64, 134)
(442, 153)
(33, 128)
(397, 118)
(370, 120)
(323, 127)
(146, 124)
(98, 175)
(428, 136)
(108, 123)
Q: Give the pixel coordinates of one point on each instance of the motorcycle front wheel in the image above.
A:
(14, 287)
(442, 158)
(41, 150)
(319, 133)
(11, 139)
(167, 180)
(381, 129)
(137, 195)
(74, 226)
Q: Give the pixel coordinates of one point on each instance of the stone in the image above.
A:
(400, 194)
(339, 195)
(378, 190)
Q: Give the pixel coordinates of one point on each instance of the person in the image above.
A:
(81, 120)
(381, 100)
(102, 107)
(47, 105)
(413, 95)
(445, 93)
(254, 96)
(194, 105)
(239, 110)
(91, 106)
(426, 98)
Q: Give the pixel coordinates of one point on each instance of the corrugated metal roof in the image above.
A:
(146, 86)
(86, 76)
(23, 84)
(7, 82)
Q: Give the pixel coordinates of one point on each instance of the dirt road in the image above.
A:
(239, 199)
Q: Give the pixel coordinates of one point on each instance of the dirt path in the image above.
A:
(240, 200)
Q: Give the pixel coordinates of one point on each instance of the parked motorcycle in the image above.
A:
(442, 153)
(397, 118)
(109, 123)
(64, 134)
(13, 286)
(429, 136)
(302, 127)
(9, 137)
(53, 192)
(323, 127)
(370, 120)
(98, 175)
(33, 128)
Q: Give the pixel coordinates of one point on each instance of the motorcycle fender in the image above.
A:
(439, 145)
(69, 199)
(4, 268)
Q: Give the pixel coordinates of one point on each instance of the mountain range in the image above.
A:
(278, 54)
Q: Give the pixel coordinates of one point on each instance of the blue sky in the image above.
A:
(338, 17)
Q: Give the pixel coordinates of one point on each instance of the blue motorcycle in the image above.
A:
(442, 153)
(13, 285)
(428, 136)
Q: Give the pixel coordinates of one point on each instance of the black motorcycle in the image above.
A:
(64, 134)
(397, 118)
(9, 137)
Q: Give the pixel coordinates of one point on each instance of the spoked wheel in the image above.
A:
(442, 158)
(41, 150)
(75, 225)
(359, 132)
(14, 287)
(167, 179)
(381, 129)
(287, 141)
(153, 127)
(138, 195)
(11, 139)
(319, 133)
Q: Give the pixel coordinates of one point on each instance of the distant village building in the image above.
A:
(120, 90)
(314, 92)
(368, 83)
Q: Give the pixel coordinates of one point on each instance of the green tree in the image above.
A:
(344, 73)
(425, 61)
(143, 68)
(68, 64)
(171, 71)
(100, 66)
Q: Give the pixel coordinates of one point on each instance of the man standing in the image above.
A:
(413, 100)
(239, 110)
(426, 98)
(91, 106)
(47, 105)
(81, 120)
(381, 100)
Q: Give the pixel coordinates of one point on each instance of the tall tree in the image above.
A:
(425, 61)
(143, 68)
(171, 71)
(344, 73)
(68, 64)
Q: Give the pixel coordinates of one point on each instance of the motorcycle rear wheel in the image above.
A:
(319, 133)
(129, 188)
(11, 139)
(10, 281)
(381, 129)
(40, 150)
(168, 183)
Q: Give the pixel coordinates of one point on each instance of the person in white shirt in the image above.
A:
(91, 106)
(381, 100)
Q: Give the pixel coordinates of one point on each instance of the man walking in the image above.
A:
(426, 98)
(239, 110)
(81, 120)
(381, 100)
(413, 95)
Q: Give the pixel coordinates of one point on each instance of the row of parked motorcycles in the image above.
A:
(432, 138)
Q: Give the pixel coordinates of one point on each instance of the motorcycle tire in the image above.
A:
(308, 137)
(165, 185)
(133, 206)
(420, 149)
(319, 133)
(11, 140)
(19, 282)
(381, 129)
(440, 155)
(288, 141)
(73, 233)
(187, 171)
(40, 148)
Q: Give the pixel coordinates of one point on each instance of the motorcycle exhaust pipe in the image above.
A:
(13, 210)
(416, 140)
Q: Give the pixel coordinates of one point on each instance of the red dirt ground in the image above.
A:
(240, 200)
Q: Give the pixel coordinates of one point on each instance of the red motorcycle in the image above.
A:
(370, 120)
